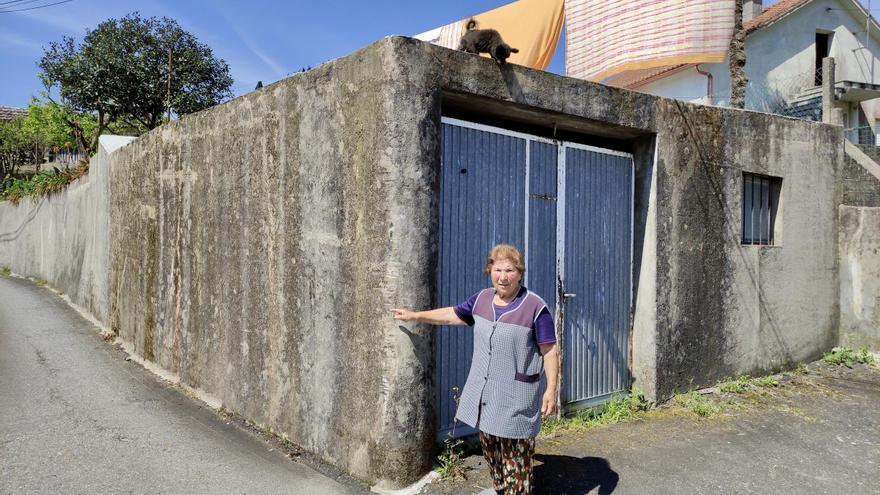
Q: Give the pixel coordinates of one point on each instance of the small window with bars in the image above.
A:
(759, 209)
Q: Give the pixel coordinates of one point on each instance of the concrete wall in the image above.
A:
(256, 247)
(860, 276)
(860, 186)
(64, 238)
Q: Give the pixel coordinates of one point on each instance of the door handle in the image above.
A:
(568, 295)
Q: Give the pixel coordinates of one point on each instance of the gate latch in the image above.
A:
(568, 295)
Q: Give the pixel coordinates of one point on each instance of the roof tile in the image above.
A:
(9, 113)
(773, 13)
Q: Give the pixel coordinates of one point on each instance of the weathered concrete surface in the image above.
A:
(860, 277)
(64, 238)
(76, 417)
(861, 175)
(257, 247)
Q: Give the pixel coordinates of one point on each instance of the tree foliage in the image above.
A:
(15, 146)
(48, 123)
(120, 73)
(45, 129)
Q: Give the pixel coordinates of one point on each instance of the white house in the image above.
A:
(785, 45)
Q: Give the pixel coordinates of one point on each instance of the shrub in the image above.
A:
(41, 184)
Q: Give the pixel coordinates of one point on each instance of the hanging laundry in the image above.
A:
(532, 26)
(605, 39)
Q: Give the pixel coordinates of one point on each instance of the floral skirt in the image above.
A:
(510, 463)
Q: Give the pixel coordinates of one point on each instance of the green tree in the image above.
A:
(55, 125)
(125, 69)
(16, 146)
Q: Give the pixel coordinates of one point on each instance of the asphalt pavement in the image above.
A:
(814, 433)
(76, 417)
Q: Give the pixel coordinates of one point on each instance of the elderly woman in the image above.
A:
(511, 385)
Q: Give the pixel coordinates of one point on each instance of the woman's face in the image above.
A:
(505, 278)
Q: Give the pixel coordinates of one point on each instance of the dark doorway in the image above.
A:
(823, 44)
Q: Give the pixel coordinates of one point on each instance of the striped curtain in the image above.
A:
(605, 38)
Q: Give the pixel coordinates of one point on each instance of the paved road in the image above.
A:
(75, 417)
(816, 433)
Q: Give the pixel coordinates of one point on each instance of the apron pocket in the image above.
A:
(522, 377)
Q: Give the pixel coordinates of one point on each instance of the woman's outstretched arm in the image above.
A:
(439, 316)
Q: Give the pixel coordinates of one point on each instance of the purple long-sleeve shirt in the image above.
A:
(545, 329)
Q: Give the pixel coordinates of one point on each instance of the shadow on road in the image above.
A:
(566, 474)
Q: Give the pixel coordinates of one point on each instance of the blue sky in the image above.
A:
(260, 40)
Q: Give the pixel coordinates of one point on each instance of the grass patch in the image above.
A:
(41, 282)
(735, 386)
(743, 383)
(41, 184)
(697, 404)
(844, 356)
(618, 410)
(5, 271)
(766, 381)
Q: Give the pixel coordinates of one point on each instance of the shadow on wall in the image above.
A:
(566, 474)
(32, 214)
(513, 85)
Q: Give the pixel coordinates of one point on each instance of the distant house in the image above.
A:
(9, 113)
(785, 45)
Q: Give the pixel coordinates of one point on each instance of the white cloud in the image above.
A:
(266, 59)
(8, 38)
(67, 23)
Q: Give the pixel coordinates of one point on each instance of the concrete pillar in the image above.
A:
(752, 9)
(831, 113)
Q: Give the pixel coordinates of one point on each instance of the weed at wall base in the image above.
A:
(847, 357)
(5, 271)
(450, 464)
(618, 410)
(697, 404)
(738, 385)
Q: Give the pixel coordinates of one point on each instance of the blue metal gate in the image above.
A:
(596, 267)
(501, 186)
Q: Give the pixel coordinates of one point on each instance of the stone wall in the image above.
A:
(860, 277)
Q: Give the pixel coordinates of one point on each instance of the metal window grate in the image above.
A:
(759, 207)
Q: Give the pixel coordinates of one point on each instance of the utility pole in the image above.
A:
(169, 84)
(737, 59)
